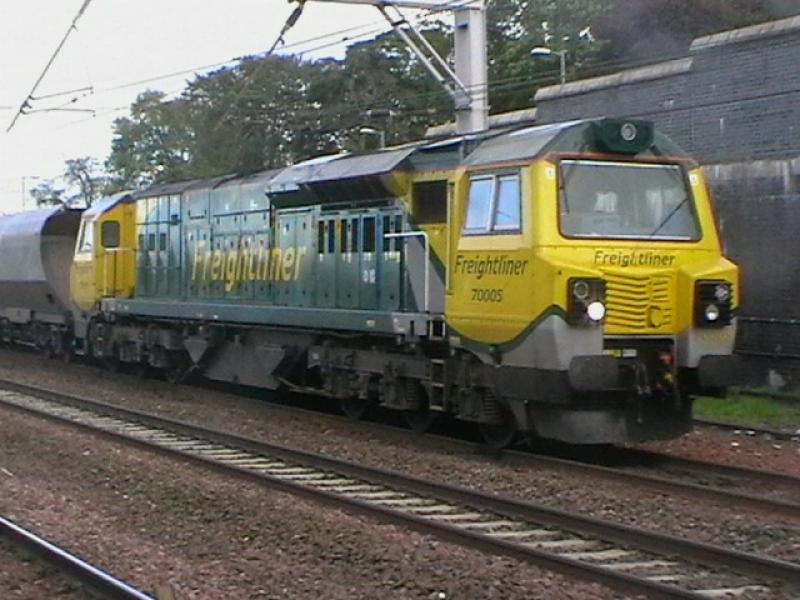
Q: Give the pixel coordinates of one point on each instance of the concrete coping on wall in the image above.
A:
(593, 84)
(783, 169)
(746, 34)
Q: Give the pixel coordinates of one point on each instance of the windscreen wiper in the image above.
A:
(670, 215)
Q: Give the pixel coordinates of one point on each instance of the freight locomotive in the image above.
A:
(563, 281)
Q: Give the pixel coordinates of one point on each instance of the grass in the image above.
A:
(749, 410)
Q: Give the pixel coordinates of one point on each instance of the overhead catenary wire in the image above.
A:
(499, 88)
(206, 67)
(64, 93)
(291, 20)
(23, 108)
(194, 70)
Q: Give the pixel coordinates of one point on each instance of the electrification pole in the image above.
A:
(467, 84)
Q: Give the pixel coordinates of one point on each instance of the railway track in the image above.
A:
(781, 491)
(771, 493)
(627, 559)
(768, 492)
(774, 434)
(99, 582)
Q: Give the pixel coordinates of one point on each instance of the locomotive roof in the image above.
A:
(166, 189)
(339, 166)
(261, 177)
(200, 185)
(107, 202)
(584, 135)
(512, 144)
(518, 144)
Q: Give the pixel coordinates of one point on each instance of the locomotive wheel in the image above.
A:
(67, 352)
(178, 370)
(354, 407)
(174, 375)
(499, 435)
(421, 420)
(111, 364)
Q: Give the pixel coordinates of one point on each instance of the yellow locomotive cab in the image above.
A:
(104, 262)
(594, 273)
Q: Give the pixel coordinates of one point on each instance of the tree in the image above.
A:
(152, 145)
(646, 29)
(515, 27)
(47, 194)
(384, 75)
(86, 176)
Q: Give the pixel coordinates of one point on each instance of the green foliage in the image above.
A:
(85, 175)
(515, 27)
(269, 112)
(655, 28)
(47, 194)
(85, 182)
(748, 410)
(151, 145)
(385, 74)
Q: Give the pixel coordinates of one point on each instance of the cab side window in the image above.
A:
(86, 240)
(109, 234)
(507, 204)
(494, 204)
(479, 209)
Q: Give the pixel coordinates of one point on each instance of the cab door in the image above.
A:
(104, 261)
(115, 252)
(111, 263)
(82, 272)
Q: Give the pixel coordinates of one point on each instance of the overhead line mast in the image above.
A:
(467, 83)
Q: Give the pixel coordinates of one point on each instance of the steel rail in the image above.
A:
(655, 543)
(781, 508)
(92, 577)
(760, 431)
(715, 468)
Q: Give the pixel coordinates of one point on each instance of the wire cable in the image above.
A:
(25, 106)
(191, 70)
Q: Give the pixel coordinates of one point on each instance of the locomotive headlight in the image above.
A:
(712, 313)
(596, 311)
(722, 292)
(713, 303)
(586, 301)
(580, 289)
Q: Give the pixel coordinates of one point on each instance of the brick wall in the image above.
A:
(732, 99)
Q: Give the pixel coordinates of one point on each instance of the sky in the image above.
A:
(119, 42)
